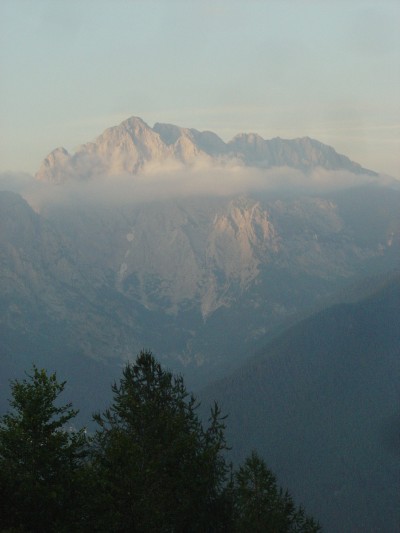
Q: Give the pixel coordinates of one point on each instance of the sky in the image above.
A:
(327, 69)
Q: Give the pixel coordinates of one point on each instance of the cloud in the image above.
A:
(173, 179)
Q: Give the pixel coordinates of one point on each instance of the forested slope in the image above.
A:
(321, 403)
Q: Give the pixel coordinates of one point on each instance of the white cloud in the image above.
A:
(173, 179)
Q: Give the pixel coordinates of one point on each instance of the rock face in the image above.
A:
(303, 154)
(200, 282)
(127, 148)
(121, 149)
(190, 271)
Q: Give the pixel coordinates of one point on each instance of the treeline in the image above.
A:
(151, 465)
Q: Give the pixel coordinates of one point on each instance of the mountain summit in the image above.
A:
(128, 147)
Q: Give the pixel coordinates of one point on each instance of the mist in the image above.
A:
(175, 180)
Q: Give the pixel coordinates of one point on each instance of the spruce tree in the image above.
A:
(159, 468)
(260, 506)
(40, 458)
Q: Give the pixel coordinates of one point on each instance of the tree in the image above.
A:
(159, 468)
(260, 506)
(40, 458)
(151, 466)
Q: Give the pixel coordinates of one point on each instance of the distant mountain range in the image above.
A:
(129, 147)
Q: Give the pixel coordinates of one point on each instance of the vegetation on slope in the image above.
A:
(321, 402)
(151, 466)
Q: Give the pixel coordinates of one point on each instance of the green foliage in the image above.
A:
(151, 466)
(160, 469)
(39, 457)
(261, 507)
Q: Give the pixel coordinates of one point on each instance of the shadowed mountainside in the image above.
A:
(321, 403)
(200, 281)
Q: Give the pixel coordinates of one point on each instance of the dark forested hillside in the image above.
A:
(321, 402)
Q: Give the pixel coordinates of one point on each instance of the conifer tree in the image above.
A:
(152, 466)
(40, 458)
(260, 506)
(160, 469)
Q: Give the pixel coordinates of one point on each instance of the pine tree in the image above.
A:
(151, 467)
(160, 470)
(40, 458)
(260, 506)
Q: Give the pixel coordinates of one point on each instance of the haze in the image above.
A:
(328, 70)
(175, 180)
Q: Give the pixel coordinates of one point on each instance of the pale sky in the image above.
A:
(328, 69)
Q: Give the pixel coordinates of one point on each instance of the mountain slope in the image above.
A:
(198, 280)
(321, 403)
(45, 279)
(56, 310)
(200, 266)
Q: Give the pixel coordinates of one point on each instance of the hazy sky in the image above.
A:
(326, 69)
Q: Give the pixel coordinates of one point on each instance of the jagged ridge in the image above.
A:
(128, 147)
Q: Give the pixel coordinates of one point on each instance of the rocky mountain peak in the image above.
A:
(132, 138)
(128, 147)
(134, 124)
(168, 133)
(54, 166)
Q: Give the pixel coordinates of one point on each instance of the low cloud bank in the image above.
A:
(157, 182)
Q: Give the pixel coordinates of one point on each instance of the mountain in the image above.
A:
(196, 267)
(44, 279)
(320, 403)
(57, 311)
(303, 154)
(173, 274)
(92, 273)
(200, 279)
(128, 147)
